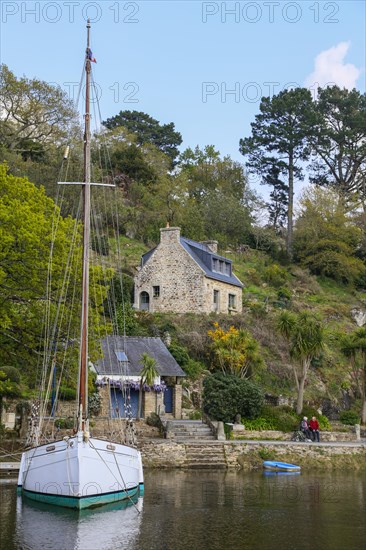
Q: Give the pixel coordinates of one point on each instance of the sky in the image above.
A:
(202, 65)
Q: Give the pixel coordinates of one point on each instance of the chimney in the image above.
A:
(211, 245)
(170, 235)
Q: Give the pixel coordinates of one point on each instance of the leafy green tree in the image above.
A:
(130, 162)
(31, 226)
(148, 130)
(325, 239)
(354, 347)
(8, 388)
(34, 114)
(225, 396)
(218, 192)
(148, 374)
(206, 171)
(278, 140)
(305, 335)
(338, 141)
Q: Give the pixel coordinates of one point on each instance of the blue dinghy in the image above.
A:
(275, 466)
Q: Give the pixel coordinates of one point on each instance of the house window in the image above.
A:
(121, 356)
(216, 299)
(232, 301)
(221, 267)
(156, 291)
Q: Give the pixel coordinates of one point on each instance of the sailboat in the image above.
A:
(80, 471)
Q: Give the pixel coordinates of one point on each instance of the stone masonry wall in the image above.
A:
(180, 279)
(177, 401)
(224, 291)
(184, 286)
(152, 403)
(242, 455)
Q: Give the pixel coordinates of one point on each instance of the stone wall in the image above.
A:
(250, 456)
(163, 454)
(177, 401)
(66, 409)
(224, 291)
(183, 284)
(152, 403)
(273, 435)
(180, 279)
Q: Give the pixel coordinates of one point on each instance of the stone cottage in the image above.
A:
(118, 377)
(181, 276)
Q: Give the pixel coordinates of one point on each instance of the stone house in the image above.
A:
(181, 276)
(118, 377)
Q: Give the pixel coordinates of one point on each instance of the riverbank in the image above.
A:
(249, 455)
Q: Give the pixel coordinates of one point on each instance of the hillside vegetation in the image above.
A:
(302, 261)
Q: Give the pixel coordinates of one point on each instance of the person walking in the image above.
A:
(314, 429)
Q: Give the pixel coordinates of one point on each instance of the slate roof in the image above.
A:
(203, 256)
(134, 347)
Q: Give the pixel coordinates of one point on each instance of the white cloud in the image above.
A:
(330, 68)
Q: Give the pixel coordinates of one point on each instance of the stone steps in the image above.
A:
(188, 430)
(205, 457)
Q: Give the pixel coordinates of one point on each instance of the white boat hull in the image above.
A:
(81, 473)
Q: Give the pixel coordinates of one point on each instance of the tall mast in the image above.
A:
(83, 367)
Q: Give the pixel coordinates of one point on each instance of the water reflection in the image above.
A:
(39, 525)
(198, 509)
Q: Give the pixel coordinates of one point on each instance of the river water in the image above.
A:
(199, 509)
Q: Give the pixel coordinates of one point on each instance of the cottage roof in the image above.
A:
(133, 347)
(203, 256)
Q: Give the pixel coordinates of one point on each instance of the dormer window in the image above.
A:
(221, 266)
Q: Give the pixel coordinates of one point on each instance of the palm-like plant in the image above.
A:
(353, 346)
(305, 335)
(148, 374)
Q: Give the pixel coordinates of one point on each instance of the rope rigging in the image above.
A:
(60, 334)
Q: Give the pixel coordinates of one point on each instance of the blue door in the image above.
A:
(120, 402)
(168, 399)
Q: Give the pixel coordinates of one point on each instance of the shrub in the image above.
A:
(259, 424)
(195, 415)
(67, 394)
(275, 275)
(11, 373)
(65, 423)
(94, 403)
(153, 420)
(193, 369)
(225, 396)
(179, 353)
(281, 418)
(349, 417)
